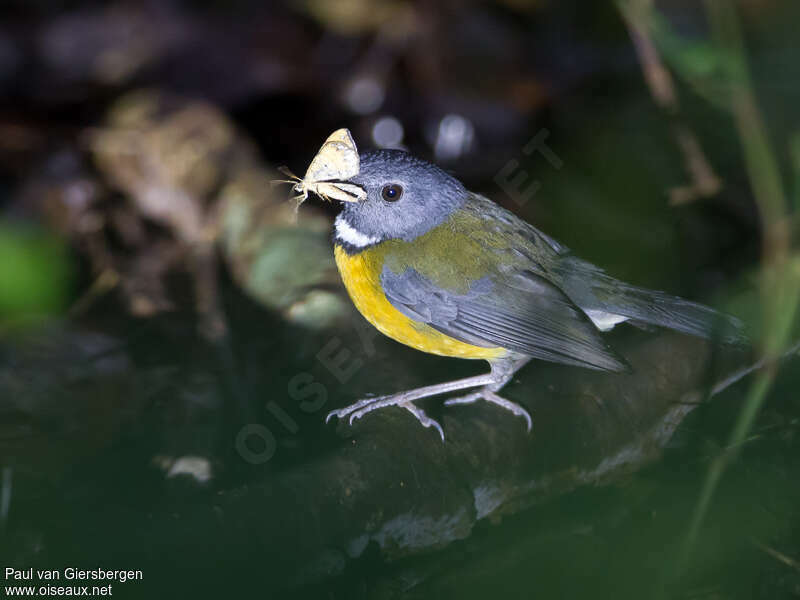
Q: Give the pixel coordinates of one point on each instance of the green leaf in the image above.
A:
(35, 271)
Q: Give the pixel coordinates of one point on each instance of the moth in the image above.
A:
(337, 160)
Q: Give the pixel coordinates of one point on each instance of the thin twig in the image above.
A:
(779, 556)
(704, 182)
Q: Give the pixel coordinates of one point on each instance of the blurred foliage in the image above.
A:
(724, 58)
(354, 17)
(35, 272)
(281, 256)
(698, 60)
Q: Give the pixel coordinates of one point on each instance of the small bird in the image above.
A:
(447, 271)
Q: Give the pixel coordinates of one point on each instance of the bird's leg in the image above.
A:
(505, 369)
(406, 399)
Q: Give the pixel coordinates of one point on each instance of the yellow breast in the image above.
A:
(361, 275)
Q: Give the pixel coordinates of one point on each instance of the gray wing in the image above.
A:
(522, 312)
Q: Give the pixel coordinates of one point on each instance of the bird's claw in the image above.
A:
(490, 396)
(361, 408)
(353, 408)
(423, 418)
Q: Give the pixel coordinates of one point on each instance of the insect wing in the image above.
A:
(343, 192)
(336, 159)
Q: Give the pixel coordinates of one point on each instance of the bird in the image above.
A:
(447, 271)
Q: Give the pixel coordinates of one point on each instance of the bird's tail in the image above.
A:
(598, 291)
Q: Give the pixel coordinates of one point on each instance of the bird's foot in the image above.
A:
(491, 396)
(362, 407)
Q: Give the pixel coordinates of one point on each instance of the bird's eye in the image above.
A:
(392, 192)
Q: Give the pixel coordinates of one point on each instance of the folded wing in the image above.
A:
(521, 311)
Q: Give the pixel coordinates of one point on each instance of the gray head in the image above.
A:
(406, 196)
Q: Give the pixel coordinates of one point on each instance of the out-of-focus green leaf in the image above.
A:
(35, 271)
(698, 61)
